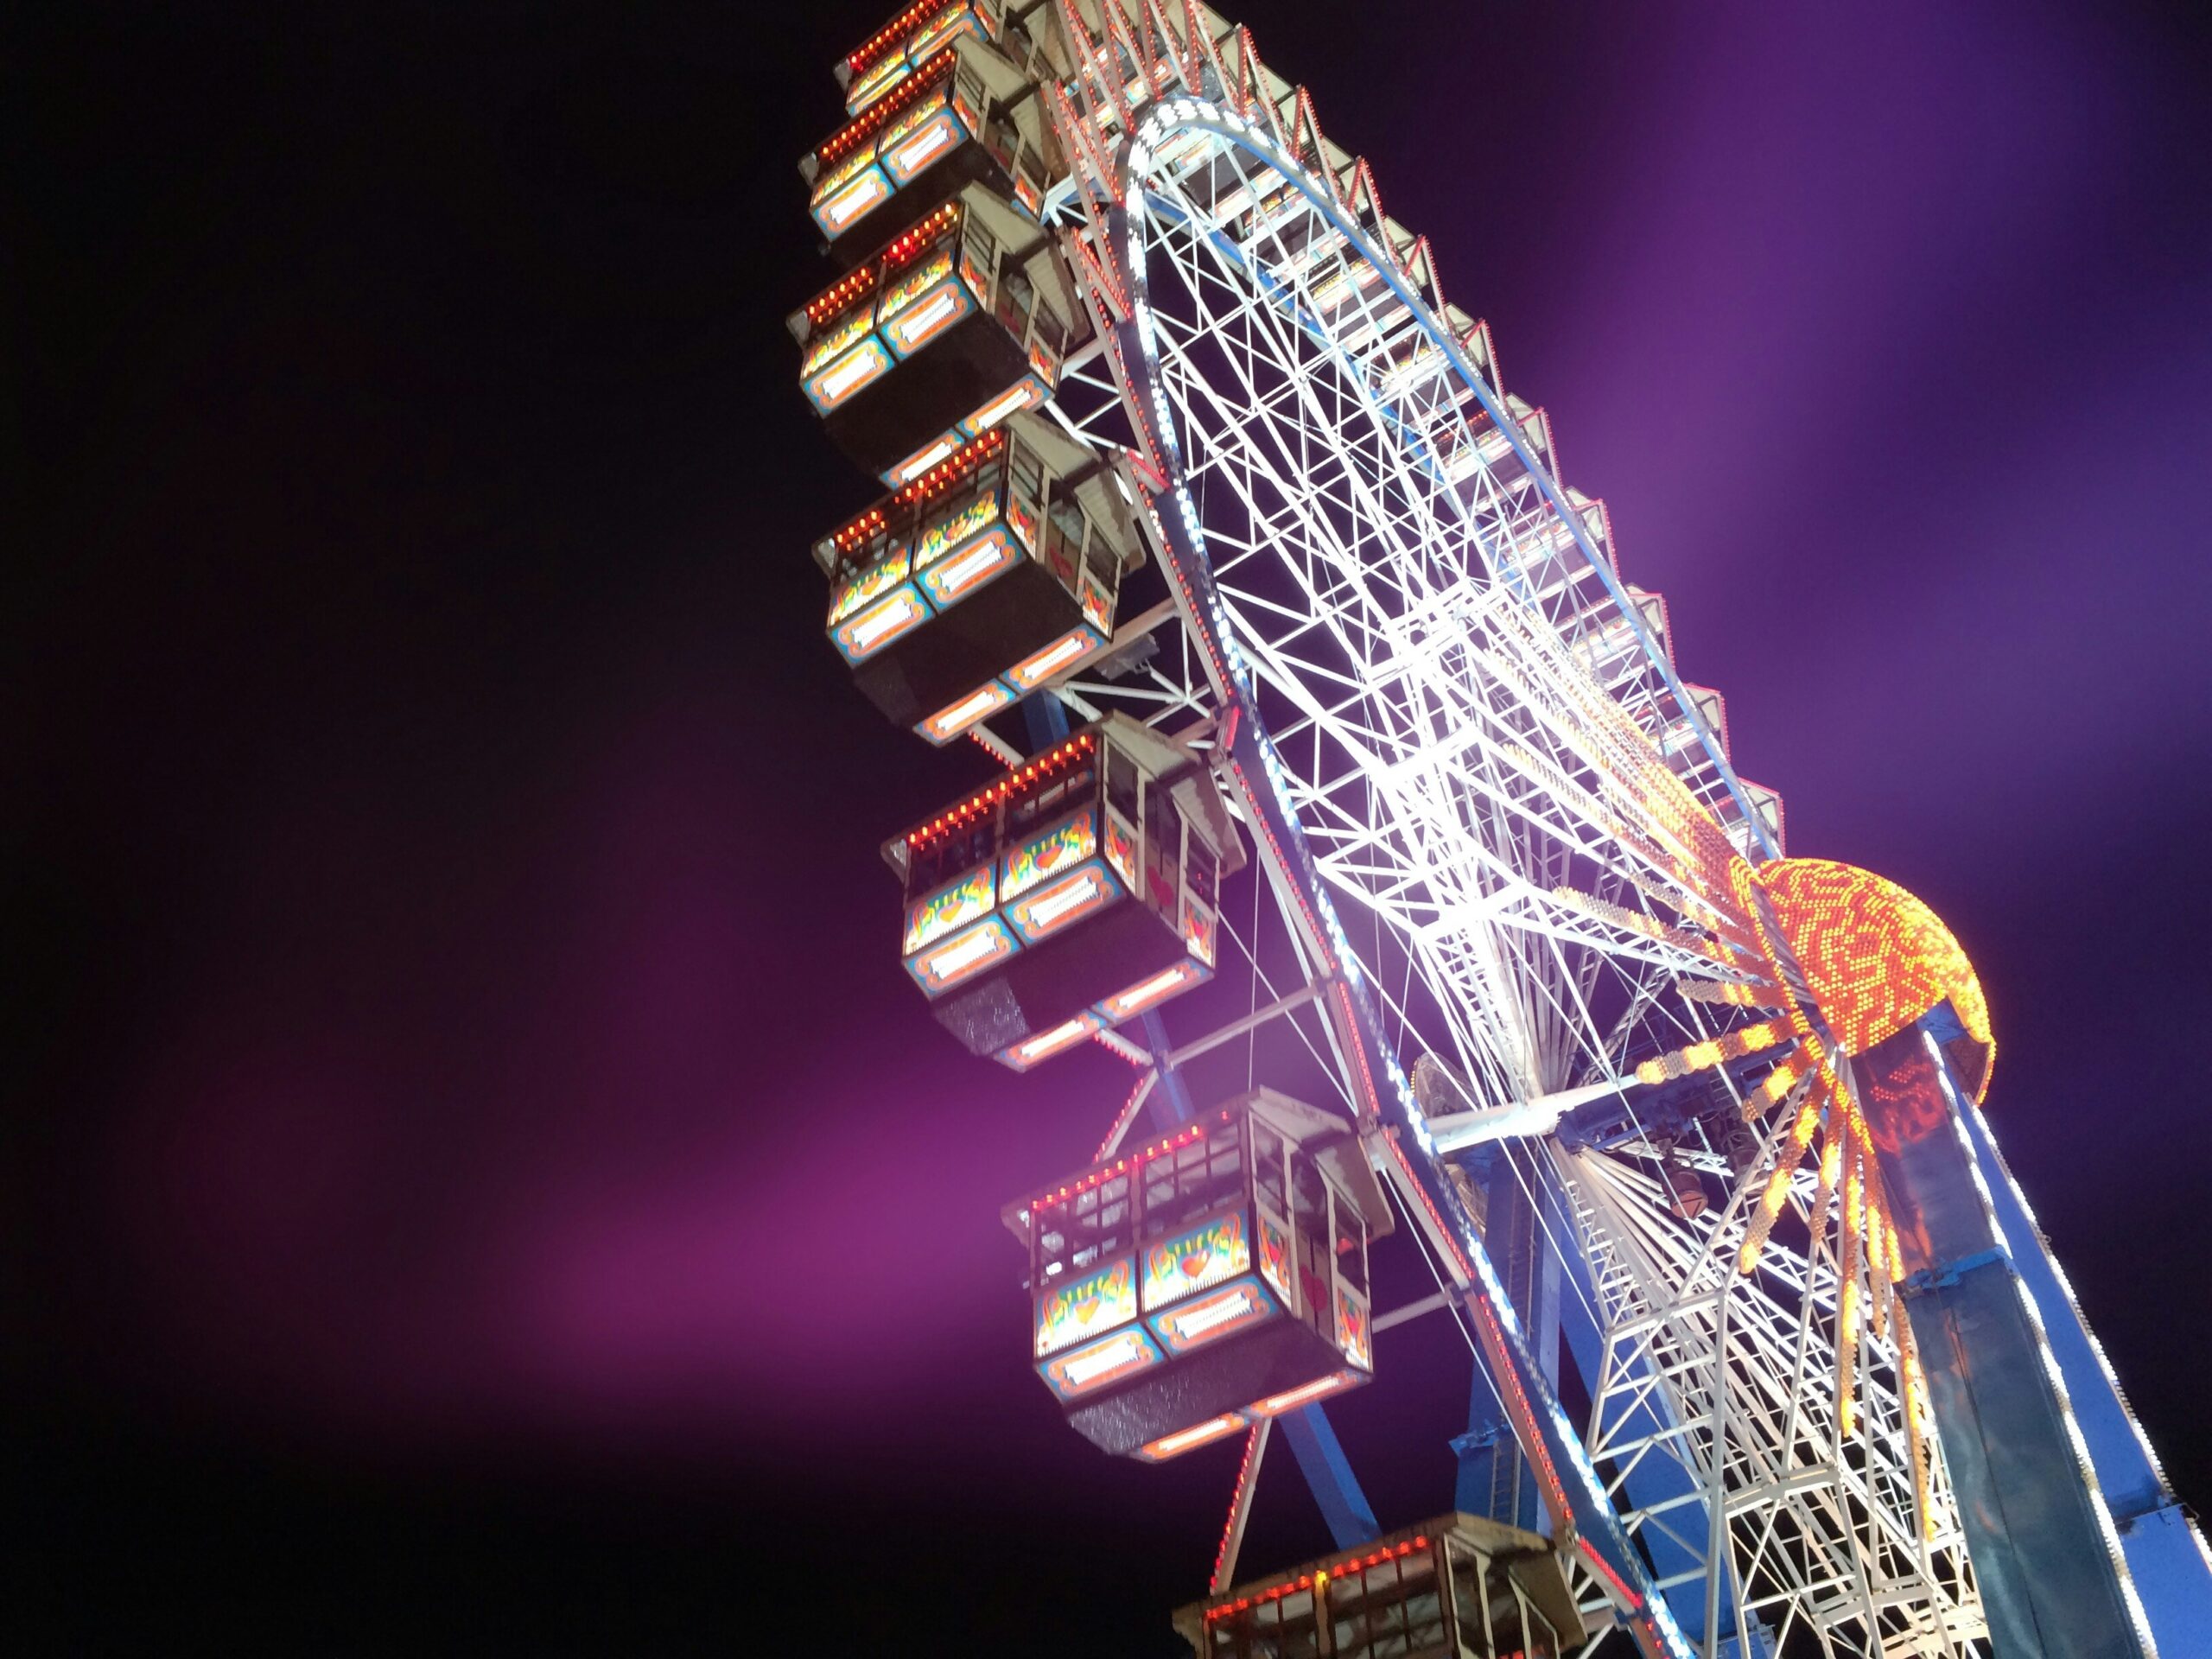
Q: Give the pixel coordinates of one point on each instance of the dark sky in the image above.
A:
(476, 1175)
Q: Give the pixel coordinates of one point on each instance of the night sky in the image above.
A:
(476, 1176)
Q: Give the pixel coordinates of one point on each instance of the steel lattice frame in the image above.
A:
(1450, 682)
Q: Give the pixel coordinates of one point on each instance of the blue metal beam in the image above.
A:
(1336, 1489)
(1172, 1102)
(1494, 1478)
(2052, 1586)
(1046, 716)
(2164, 1556)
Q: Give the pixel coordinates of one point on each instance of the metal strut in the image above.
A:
(1574, 1494)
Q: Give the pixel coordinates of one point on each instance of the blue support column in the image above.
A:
(1495, 1477)
(2164, 1556)
(1171, 1103)
(1336, 1489)
(1490, 1460)
(2052, 1586)
(1046, 716)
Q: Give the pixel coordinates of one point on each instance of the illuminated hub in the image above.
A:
(1459, 1584)
(1838, 961)
(1076, 891)
(961, 321)
(990, 575)
(1876, 959)
(1207, 1278)
(1846, 960)
(919, 132)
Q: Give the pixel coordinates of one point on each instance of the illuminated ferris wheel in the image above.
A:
(1325, 714)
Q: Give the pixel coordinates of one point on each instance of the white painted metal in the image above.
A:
(1456, 685)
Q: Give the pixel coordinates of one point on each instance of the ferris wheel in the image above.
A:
(1325, 714)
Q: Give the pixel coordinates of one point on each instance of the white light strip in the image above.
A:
(1053, 905)
(1122, 1350)
(1198, 1320)
(966, 953)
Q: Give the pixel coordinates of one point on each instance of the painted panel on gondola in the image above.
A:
(928, 134)
(858, 367)
(953, 905)
(1060, 902)
(1352, 1332)
(983, 944)
(953, 529)
(880, 577)
(1200, 1320)
(1199, 931)
(956, 718)
(1121, 848)
(1029, 392)
(911, 285)
(1274, 1254)
(851, 193)
(1063, 654)
(867, 87)
(1086, 1306)
(1043, 855)
(1023, 521)
(943, 30)
(833, 345)
(876, 625)
(914, 329)
(1195, 1261)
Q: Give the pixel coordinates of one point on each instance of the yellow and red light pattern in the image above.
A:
(1337, 1568)
(1850, 960)
(847, 290)
(893, 33)
(1092, 1177)
(926, 77)
(860, 531)
(1846, 960)
(852, 541)
(953, 818)
(1875, 958)
(960, 464)
(858, 284)
(919, 237)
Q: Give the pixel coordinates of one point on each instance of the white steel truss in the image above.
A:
(1459, 692)
(1735, 1382)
